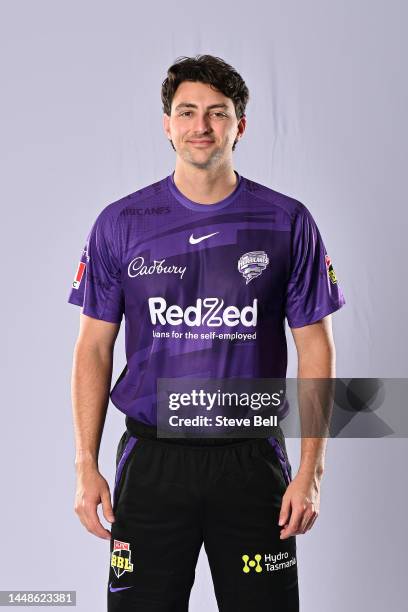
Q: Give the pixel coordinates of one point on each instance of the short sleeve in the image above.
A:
(97, 283)
(313, 290)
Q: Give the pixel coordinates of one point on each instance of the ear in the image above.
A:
(166, 125)
(241, 127)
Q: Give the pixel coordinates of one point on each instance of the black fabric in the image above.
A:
(149, 431)
(143, 430)
(172, 499)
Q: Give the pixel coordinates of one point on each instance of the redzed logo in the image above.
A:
(207, 311)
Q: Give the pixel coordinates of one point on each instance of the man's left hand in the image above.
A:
(300, 505)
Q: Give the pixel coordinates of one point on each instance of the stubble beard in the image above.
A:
(214, 158)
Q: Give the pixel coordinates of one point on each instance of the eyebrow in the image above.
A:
(191, 105)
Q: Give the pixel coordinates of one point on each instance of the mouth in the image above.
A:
(201, 143)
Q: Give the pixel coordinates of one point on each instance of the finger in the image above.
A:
(312, 522)
(294, 523)
(285, 511)
(309, 514)
(107, 506)
(92, 523)
(285, 534)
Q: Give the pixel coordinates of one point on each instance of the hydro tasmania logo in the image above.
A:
(268, 562)
(252, 564)
(120, 558)
(252, 264)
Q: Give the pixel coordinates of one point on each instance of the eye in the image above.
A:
(218, 114)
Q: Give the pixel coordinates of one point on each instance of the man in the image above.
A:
(189, 254)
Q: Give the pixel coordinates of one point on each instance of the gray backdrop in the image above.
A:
(81, 127)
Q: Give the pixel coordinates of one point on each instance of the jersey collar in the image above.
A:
(203, 207)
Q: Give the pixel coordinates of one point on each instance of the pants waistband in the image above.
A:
(142, 430)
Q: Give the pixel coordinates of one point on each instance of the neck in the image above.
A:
(205, 186)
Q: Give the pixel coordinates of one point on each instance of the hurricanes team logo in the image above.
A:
(330, 270)
(252, 264)
(120, 558)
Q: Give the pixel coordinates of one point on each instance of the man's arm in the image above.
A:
(90, 386)
(316, 359)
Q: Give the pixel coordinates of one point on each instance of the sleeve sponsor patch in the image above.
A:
(330, 270)
(79, 275)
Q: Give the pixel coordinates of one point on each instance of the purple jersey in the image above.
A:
(204, 288)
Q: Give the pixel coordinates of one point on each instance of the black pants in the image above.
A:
(171, 497)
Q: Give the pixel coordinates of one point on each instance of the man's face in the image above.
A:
(202, 125)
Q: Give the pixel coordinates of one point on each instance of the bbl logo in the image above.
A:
(330, 270)
(120, 558)
(252, 264)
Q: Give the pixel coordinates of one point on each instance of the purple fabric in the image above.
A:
(311, 294)
(199, 207)
(156, 244)
(126, 452)
(282, 459)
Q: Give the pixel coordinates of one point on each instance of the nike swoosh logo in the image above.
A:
(114, 589)
(193, 240)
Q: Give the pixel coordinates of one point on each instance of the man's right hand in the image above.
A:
(92, 489)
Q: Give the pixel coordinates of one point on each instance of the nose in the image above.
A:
(201, 125)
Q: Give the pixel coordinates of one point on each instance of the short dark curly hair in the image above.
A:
(208, 69)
